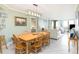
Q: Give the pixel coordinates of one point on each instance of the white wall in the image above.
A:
(42, 24)
(56, 14)
(10, 24)
(51, 11)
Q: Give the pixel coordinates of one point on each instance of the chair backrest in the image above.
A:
(3, 41)
(15, 39)
(39, 41)
(14, 36)
(48, 36)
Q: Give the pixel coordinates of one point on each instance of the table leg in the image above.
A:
(27, 49)
(77, 46)
(69, 45)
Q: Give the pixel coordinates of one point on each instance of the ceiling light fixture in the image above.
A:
(35, 5)
(36, 10)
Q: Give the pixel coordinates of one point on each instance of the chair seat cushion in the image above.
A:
(20, 46)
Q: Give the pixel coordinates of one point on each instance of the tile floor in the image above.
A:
(59, 46)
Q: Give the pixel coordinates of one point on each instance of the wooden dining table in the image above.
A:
(27, 37)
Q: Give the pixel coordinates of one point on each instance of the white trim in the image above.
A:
(25, 12)
(14, 9)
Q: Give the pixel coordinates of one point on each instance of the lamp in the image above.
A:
(37, 14)
(33, 13)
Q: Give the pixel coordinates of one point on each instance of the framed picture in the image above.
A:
(20, 21)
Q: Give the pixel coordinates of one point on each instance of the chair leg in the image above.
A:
(0, 50)
(15, 51)
(69, 45)
(74, 42)
(77, 46)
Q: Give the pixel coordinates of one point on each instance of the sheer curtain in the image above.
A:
(71, 22)
(58, 25)
(65, 24)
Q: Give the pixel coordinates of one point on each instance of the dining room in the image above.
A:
(37, 28)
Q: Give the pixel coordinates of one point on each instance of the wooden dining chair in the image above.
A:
(20, 48)
(36, 47)
(42, 37)
(3, 41)
(0, 46)
(46, 40)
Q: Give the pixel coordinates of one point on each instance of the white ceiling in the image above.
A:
(51, 11)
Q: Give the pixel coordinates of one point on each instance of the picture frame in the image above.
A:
(20, 21)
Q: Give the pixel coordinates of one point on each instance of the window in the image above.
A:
(65, 24)
(57, 24)
(71, 22)
(76, 22)
(52, 25)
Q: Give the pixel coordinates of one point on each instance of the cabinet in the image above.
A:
(33, 24)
